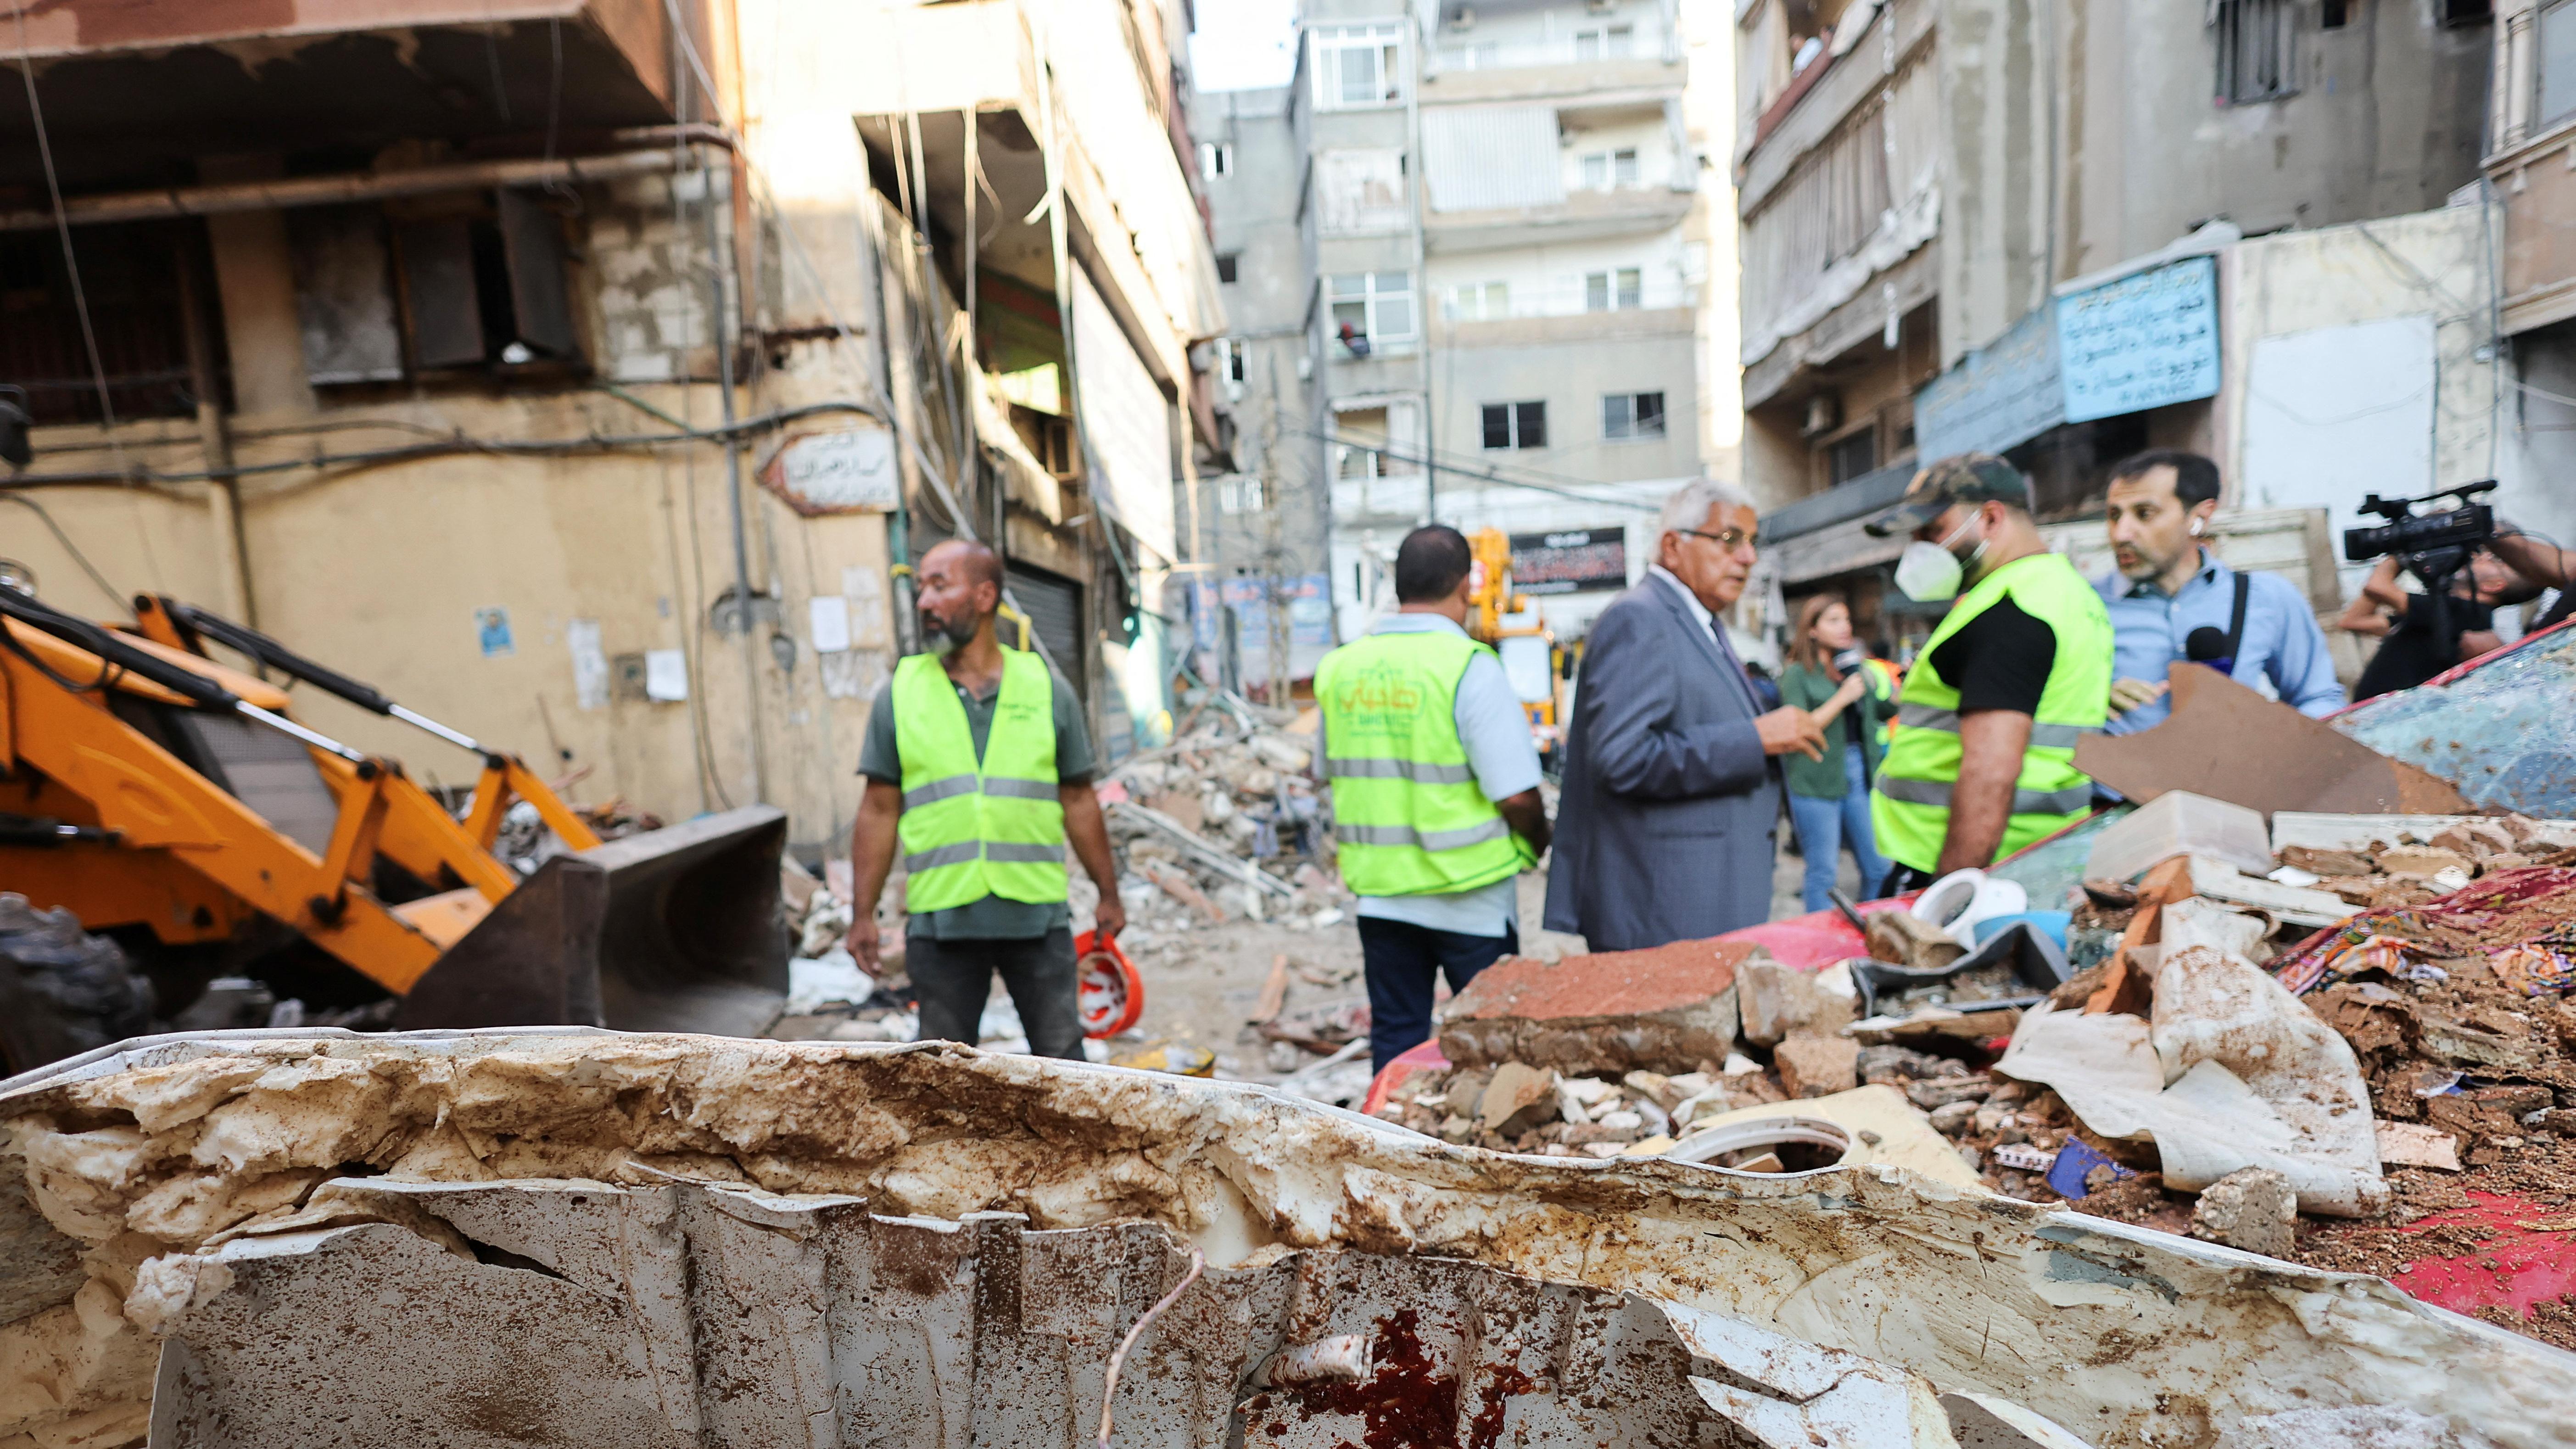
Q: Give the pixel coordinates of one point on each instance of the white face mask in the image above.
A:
(1929, 572)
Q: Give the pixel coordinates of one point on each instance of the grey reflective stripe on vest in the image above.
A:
(956, 785)
(938, 790)
(1379, 768)
(999, 852)
(958, 854)
(1424, 839)
(2044, 736)
(2025, 802)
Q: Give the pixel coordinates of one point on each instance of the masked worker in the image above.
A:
(1984, 757)
(1435, 791)
(977, 762)
(2171, 600)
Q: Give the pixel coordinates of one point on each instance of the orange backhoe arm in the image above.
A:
(155, 802)
(419, 847)
(506, 777)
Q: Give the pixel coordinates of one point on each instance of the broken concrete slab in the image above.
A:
(1777, 1002)
(1818, 1066)
(2252, 1208)
(2412, 1144)
(1668, 1009)
(1518, 1098)
(830, 1244)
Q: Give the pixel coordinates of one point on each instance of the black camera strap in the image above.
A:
(2236, 622)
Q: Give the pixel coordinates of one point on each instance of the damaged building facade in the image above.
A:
(1468, 252)
(2068, 233)
(611, 357)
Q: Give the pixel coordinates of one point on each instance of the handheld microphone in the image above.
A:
(2208, 645)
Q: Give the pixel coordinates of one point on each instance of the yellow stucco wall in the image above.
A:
(378, 572)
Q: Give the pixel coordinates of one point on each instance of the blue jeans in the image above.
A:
(1403, 961)
(1826, 826)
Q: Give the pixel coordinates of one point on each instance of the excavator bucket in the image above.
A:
(672, 930)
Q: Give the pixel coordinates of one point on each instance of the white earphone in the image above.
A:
(2195, 528)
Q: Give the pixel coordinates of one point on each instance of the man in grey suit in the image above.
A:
(1664, 829)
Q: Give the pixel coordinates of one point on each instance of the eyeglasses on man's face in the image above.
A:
(1729, 539)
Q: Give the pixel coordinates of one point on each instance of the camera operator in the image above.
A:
(2545, 564)
(2425, 636)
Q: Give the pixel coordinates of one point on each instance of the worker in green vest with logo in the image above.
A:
(1435, 791)
(1983, 762)
(978, 767)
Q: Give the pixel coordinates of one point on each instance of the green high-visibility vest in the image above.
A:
(1909, 808)
(970, 828)
(1408, 816)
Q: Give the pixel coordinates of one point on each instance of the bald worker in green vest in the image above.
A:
(1983, 759)
(979, 768)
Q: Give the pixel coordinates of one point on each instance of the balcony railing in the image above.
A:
(1589, 297)
(1467, 55)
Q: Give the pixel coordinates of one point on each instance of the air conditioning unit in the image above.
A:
(1824, 414)
(1463, 18)
(1600, 7)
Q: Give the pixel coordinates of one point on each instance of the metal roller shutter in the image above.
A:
(1054, 606)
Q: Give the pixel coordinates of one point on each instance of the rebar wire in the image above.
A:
(1109, 1387)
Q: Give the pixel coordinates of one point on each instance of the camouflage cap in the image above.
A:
(1961, 478)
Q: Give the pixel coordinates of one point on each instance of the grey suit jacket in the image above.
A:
(1664, 829)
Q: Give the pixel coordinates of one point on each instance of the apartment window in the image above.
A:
(2467, 12)
(2557, 67)
(1358, 191)
(1479, 302)
(1517, 425)
(1242, 495)
(1358, 67)
(1216, 158)
(1619, 290)
(2334, 14)
(1229, 358)
(130, 276)
(1848, 458)
(1605, 42)
(1610, 170)
(1225, 265)
(1049, 439)
(1363, 438)
(1629, 416)
(1371, 309)
(2254, 50)
(483, 281)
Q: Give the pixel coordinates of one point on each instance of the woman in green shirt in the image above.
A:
(1829, 798)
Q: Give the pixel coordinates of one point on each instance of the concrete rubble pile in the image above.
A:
(1700, 1051)
(2247, 1057)
(579, 1237)
(1224, 823)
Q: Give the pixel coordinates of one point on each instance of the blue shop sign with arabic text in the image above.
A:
(2143, 341)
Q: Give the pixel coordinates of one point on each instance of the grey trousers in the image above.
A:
(954, 978)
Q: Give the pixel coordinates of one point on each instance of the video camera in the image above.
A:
(2431, 546)
(2407, 532)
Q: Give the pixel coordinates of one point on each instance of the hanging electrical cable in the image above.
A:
(80, 296)
(1487, 472)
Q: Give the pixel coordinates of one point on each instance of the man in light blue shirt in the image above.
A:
(1408, 942)
(2167, 588)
